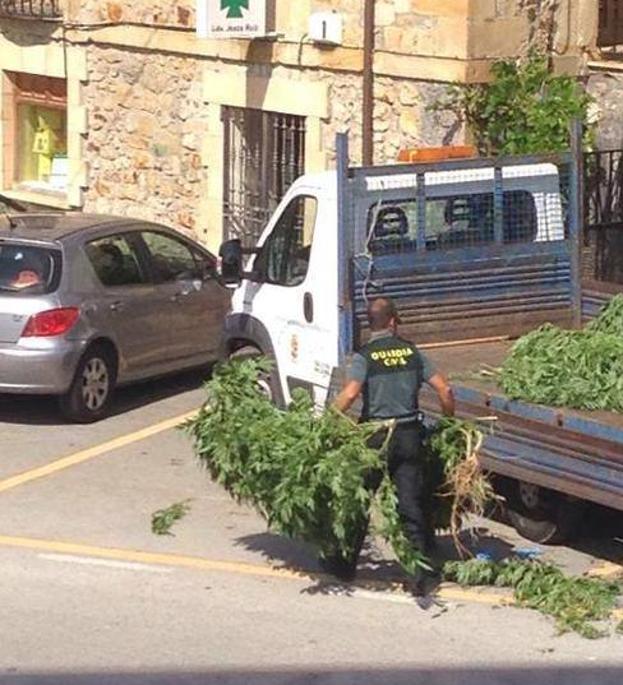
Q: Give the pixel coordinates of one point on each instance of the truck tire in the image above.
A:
(269, 383)
(542, 515)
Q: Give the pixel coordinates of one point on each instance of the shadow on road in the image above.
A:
(38, 410)
(556, 675)
(602, 534)
(373, 568)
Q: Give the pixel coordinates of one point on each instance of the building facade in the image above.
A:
(121, 108)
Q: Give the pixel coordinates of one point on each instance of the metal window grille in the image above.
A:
(31, 9)
(264, 153)
(610, 23)
(449, 210)
(464, 245)
(603, 206)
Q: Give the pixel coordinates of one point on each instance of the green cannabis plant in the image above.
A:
(304, 472)
(576, 603)
(462, 488)
(163, 520)
(576, 369)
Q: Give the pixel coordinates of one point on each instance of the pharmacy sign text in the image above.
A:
(231, 18)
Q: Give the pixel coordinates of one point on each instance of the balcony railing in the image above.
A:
(31, 9)
(610, 23)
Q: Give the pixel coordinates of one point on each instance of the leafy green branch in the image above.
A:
(525, 109)
(163, 520)
(576, 603)
(306, 474)
(576, 369)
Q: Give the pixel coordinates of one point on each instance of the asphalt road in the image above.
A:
(89, 595)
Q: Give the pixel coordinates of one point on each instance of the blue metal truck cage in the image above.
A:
(469, 272)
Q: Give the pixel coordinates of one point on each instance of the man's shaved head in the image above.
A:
(382, 314)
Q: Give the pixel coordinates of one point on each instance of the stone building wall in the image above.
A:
(178, 13)
(606, 87)
(146, 120)
(148, 123)
(402, 117)
(402, 114)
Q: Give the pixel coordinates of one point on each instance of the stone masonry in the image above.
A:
(179, 13)
(146, 122)
(606, 87)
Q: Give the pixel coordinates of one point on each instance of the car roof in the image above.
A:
(54, 226)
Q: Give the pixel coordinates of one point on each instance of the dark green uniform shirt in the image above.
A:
(392, 371)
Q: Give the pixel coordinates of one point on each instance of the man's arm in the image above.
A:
(355, 380)
(349, 394)
(444, 392)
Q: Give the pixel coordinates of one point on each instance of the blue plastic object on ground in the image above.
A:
(528, 552)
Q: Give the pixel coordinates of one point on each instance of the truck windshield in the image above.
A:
(28, 269)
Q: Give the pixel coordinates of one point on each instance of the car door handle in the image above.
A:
(116, 306)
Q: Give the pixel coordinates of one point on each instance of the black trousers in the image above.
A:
(406, 468)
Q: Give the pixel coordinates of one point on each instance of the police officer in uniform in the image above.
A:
(389, 371)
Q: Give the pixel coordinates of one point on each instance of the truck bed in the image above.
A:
(579, 453)
(463, 362)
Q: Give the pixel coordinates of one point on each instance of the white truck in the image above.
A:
(474, 252)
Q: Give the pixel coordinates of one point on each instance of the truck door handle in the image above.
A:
(308, 307)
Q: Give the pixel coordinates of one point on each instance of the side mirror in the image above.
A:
(230, 262)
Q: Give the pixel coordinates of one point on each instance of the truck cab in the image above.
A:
(285, 303)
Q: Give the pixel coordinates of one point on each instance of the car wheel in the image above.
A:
(268, 382)
(542, 515)
(90, 394)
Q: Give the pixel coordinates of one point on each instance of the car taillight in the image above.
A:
(50, 323)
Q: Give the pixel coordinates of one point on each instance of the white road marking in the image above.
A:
(89, 561)
(382, 596)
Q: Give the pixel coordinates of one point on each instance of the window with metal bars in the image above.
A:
(264, 152)
(603, 213)
(610, 23)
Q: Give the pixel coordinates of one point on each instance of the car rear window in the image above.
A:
(28, 269)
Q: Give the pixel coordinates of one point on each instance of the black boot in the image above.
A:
(423, 583)
(343, 569)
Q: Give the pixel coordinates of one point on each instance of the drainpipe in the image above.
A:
(367, 133)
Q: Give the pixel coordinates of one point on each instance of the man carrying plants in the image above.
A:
(389, 372)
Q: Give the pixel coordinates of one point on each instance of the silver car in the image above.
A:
(89, 302)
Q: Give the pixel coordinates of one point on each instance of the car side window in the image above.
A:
(172, 259)
(115, 261)
(284, 257)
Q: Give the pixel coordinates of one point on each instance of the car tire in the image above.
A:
(543, 516)
(268, 382)
(90, 394)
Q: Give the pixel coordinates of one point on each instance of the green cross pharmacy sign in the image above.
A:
(231, 18)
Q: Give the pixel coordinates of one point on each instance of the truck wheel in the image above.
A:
(542, 515)
(268, 382)
(89, 396)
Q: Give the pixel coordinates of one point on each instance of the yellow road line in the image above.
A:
(91, 452)
(450, 593)
(157, 558)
